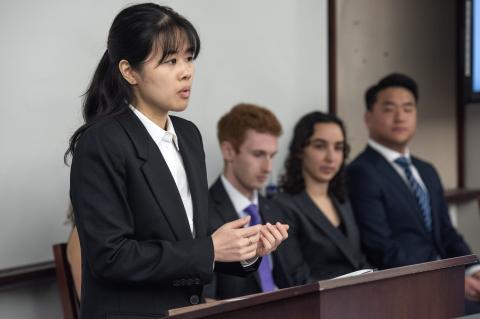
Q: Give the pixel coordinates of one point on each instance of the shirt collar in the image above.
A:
(240, 202)
(156, 132)
(389, 154)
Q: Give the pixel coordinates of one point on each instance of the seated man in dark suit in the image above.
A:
(248, 137)
(398, 199)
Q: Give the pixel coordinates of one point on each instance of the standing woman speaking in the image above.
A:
(138, 178)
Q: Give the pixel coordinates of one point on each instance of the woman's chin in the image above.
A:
(179, 107)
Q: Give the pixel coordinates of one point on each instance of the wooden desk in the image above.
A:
(428, 290)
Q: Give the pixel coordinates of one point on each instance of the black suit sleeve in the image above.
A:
(106, 221)
(236, 268)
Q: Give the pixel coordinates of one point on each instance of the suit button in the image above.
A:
(194, 299)
(197, 281)
(176, 283)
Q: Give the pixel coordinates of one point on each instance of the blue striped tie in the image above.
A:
(420, 194)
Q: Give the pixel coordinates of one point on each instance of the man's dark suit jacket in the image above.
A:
(221, 211)
(139, 257)
(391, 225)
(324, 249)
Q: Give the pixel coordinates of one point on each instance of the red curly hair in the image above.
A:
(233, 125)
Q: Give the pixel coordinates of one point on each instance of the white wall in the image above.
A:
(269, 52)
(40, 300)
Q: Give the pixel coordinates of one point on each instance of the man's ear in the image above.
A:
(228, 151)
(128, 72)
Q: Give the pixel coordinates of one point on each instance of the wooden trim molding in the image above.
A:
(27, 273)
(462, 195)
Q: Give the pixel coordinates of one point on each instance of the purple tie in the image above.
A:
(265, 270)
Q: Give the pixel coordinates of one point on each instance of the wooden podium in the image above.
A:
(429, 290)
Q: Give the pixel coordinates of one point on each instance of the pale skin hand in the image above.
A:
(472, 287)
(271, 236)
(234, 242)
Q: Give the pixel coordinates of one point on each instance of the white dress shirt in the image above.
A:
(167, 143)
(391, 155)
(239, 201)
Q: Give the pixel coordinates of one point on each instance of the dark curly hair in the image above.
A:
(292, 181)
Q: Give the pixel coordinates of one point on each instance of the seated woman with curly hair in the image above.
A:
(314, 202)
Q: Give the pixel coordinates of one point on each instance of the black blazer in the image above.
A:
(221, 211)
(138, 254)
(324, 249)
(393, 231)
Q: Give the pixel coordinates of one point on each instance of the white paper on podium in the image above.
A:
(356, 273)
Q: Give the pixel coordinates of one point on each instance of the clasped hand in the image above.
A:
(472, 287)
(234, 242)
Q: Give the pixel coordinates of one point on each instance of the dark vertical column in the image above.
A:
(332, 57)
(461, 89)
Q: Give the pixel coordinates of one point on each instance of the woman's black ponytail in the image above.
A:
(107, 95)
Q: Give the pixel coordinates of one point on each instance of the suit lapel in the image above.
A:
(266, 211)
(346, 213)
(399, 186)
(223, 204)
(157, 175)
(308, 208)
(194, 171)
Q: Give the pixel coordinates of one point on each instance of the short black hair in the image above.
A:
(391, 80)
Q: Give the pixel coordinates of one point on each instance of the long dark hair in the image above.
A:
(135, 33)
(292, 181)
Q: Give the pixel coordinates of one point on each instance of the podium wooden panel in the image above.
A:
(429, 290)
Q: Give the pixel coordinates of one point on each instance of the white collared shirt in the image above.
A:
(239, 201)
(391, 155)
(167, 143)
